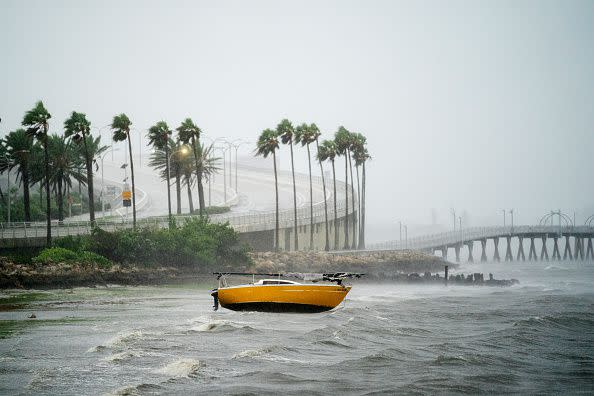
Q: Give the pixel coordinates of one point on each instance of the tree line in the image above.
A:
(54, 161)
(350, 145)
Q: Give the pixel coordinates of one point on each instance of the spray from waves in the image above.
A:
(555, 268)
(272, 353)
(182, 368)
(121, 339)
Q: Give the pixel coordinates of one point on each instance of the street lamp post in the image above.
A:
(102, 180)
(503, 218)
(183, 150)
(405, 236)
(511, 212)
(454, 216)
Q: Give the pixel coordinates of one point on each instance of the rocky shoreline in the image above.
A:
(376, 266)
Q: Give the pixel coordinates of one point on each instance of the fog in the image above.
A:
(471, 105)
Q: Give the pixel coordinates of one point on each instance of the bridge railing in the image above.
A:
(242, 222)
(476, 233)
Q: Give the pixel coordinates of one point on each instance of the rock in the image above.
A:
(32, 316)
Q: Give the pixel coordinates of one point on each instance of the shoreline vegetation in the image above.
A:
(63, 268)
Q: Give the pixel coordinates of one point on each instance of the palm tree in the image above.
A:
(268, 144)
(315, 135)
(190, 133)
(351, 147)
(78, 128)
(306, 135)
(121, 131)
(342, 138)
(327, 152)
(285, 131)
(18, 148)
(65, 167)
(360, 155)
(176, 164)
(37, 122)
(158, 136)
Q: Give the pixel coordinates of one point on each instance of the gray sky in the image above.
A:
(477, 105)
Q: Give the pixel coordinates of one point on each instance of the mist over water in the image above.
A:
(536, 337)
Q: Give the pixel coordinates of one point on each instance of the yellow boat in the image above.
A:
(280, 295)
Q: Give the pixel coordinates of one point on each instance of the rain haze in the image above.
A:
(456, 258)
(473, 105)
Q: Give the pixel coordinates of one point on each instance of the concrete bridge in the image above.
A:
(568, 243)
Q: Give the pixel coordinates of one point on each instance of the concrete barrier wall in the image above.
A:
(264, 240)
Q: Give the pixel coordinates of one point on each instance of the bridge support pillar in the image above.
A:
(444, 252)
(484, 250)
(496, 254)
(567, 251)
(457, 250)
(556, 252)
(532, 253)
(544, 254)
(470, 246)
(579, 248)
(521, 250)
(589, 250)
(508, 252)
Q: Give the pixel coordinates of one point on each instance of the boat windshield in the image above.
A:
(275, 282)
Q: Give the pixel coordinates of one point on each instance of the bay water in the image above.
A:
(535, 337)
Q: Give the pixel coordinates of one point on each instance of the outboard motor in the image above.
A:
(215, 295)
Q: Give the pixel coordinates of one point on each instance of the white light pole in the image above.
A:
(102, 181)
(454, 216)
(405, 236)
(511, 212)
(503, 218)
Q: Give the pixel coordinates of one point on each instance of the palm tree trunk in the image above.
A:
(276, 226)
(294, 196)
(311, 222)
(26, 195)
(2, 196)
(358, 206)
(59, 198)
(90, 187)
(362, 234)
(346, 190)
(48, 210)
(335, 208)
(189, 185)
(167, 175)
(133, 185)
(178, 190)
(327, 246)
(354, 244)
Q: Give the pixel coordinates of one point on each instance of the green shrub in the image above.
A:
(54, 255)
(87, 257)
(62, 255)
(195, 244)
(75, 243)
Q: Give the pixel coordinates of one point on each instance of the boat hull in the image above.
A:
(282, 298)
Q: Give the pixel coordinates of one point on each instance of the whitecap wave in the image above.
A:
(183, 368)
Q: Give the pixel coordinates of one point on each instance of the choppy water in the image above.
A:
(537, 337)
